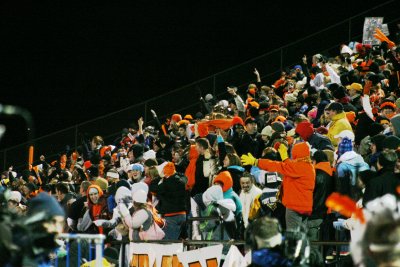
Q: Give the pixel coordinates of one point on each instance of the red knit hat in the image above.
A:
(305, 130)
(300, 150)
(237, 120)
(225, 179)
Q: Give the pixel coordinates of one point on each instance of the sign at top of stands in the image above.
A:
(370, 24)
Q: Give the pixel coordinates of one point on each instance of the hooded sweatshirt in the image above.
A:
(298, 178)
(100, 209)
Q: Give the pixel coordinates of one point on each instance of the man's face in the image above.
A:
(251, 128)
(54, 226)
(245, 184)
(60, 196)
(25, 190)
(182, 132)
(12, 204)
(352, 92)
(200, 149)
(94, 197)
(176, 157)
(330, 113)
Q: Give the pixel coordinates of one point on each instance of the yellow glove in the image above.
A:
(249, 159)
(283, 152)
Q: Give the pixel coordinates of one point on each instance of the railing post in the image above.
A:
(145, 113)
(214, 86)
(5, 160)
(349, 30)
(76, 136)
(99, 252)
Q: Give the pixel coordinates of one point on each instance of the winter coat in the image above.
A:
(171, 194)
(250, 144)
(298, 183)
(323, 188)
(348, 166)
(339, 123)
(385, 182)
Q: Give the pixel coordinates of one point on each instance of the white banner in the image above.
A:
(204, 257)
(155, 255)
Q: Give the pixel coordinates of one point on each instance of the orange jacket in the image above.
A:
(298, 183)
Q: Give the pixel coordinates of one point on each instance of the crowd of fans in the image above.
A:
(265, 160)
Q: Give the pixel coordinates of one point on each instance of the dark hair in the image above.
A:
(234, 159)
(249, 175)
(324, 94)
(320, 156)
(203, 142)
(85, 185)
(62, 187)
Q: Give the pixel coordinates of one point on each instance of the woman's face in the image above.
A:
(226, 161)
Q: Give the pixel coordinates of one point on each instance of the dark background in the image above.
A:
(67, 63)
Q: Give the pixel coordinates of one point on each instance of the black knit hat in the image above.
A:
(278, 126)
(391, 142)
(378, 141)
(339, 93)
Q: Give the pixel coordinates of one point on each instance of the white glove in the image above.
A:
(123, 210)
(70, 223)
(99, 222)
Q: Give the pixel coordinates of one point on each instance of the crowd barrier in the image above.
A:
(96, 243)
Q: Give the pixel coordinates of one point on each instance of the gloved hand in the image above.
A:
(338, 225)
(249, 159)
(123, 210)
(283, 152)
(99, 222)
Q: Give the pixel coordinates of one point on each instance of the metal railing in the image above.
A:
(185, 100)
(90, 240)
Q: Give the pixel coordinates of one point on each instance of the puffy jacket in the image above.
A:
(339, 123)
(298, 182)
(348, 166)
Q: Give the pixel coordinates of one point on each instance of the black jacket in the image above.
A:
(250, 144)
(323, 188)
(385, 182)
(172, 194)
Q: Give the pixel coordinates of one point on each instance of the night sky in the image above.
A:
(69, 63)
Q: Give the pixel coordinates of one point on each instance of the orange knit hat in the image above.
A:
(169, 169)
(225, 179)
